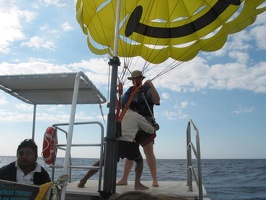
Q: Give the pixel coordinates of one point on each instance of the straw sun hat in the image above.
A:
(135, 74)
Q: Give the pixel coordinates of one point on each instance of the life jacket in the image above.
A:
(143, 108)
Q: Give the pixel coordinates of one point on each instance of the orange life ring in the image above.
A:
(48, 149)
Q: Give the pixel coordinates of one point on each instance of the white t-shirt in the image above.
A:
(26, 179)
(131, 123)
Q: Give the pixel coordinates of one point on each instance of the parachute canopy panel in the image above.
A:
(157, 30)
(55, 88)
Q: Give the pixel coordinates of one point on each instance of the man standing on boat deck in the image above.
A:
(25, 169)
(146, 97)
(127, 148)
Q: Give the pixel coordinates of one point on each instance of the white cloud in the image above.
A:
(195, 75)
(165, 96)
(3, 100)
(24, 113)
(96, 69)
(170, 115)
(39, 43)
(192, 75)
(259, 34)
(243, 110)
(53, 2)
(240, 41)
(238, 44)
(240, 57)
(66, 26)
(184, 104)
(24, 107)
(261, 17)
(179, 107)
(235, 76)
(31, 68)
(11, 24)
(44, 27)
(15, 116)
(182, 116)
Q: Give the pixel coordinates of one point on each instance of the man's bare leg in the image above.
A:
(151, 161)
(89, 174)
(127, 168)
(138, 172)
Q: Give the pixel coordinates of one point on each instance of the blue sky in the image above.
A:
(223, 92)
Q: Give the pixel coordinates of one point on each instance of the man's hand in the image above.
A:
(156, 126)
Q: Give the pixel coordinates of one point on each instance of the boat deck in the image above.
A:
(169, 188)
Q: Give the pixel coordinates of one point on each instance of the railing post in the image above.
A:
(199, 163)
(189, 158)
(190, 168)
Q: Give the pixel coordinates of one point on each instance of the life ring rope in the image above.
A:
(49, 150)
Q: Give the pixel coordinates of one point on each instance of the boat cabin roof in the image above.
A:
(54, 88)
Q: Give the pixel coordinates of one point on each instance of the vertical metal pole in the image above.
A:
(70, 131)
(110, 157)
(189, 158)
(198, 155)
(199, 164)
(34, 122)
(117, 28)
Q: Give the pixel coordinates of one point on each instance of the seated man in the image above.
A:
(25, 169)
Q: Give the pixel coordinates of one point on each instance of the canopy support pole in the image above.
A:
(34, 122)
(70, 131)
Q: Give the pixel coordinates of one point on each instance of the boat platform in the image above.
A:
(168, 188)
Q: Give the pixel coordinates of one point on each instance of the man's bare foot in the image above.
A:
(140, 187)
(155, 184)
(121, 182)
(81, 184)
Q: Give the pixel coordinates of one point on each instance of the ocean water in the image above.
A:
(224, 179)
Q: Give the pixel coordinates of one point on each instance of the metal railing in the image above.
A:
(63, 147)
(190, 169)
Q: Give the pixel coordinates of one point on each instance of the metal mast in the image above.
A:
(110, 157)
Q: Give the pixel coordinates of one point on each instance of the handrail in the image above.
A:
(60, 146)
(196, 151)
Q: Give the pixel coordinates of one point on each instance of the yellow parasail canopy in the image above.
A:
(160, 29)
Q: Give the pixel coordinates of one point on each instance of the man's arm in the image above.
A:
(153, 92)
(146, 126)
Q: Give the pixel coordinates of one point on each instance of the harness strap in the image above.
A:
(126, 106)
(143, 96)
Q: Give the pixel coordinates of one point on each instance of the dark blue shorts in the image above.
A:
(129, 150)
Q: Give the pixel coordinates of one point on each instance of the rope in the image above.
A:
(46, 140)
(57, 187)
